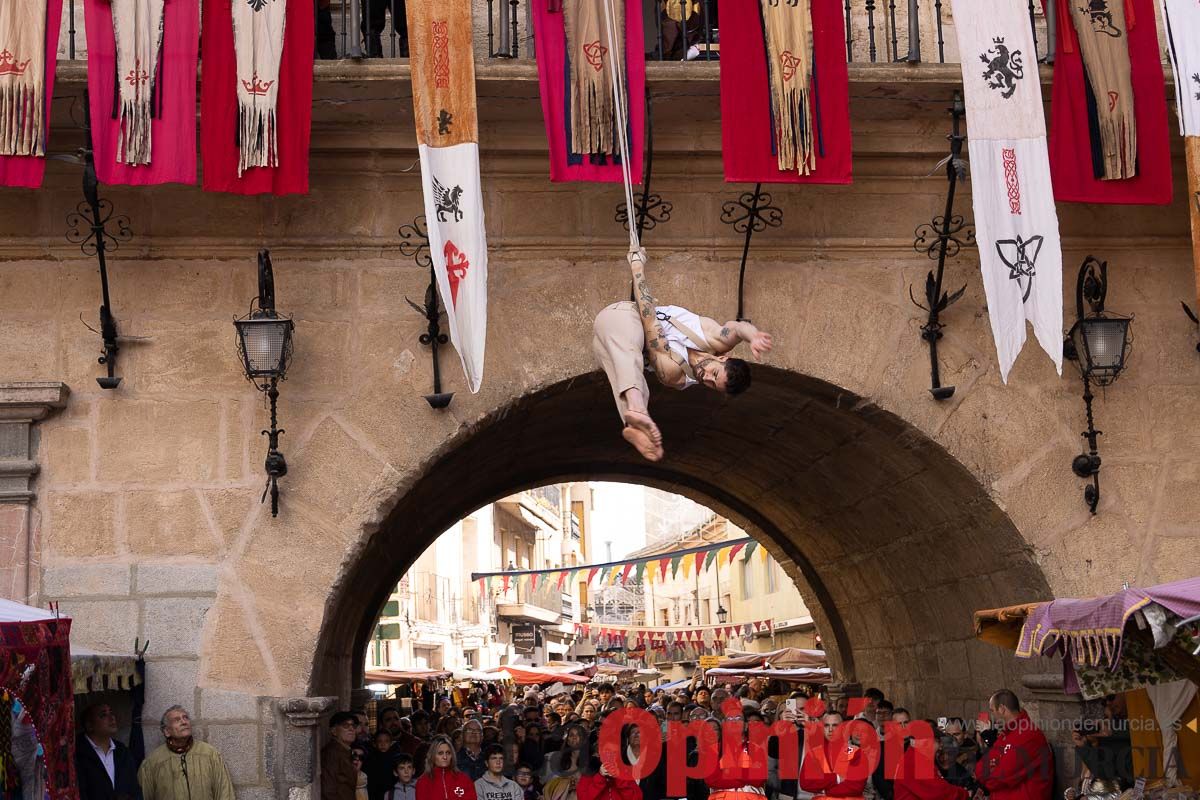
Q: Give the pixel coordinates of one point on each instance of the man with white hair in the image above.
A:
(182, 768)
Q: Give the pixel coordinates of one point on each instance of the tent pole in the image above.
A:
(1192, 148)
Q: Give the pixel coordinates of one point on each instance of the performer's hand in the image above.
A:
(637, 256)
(760, 344)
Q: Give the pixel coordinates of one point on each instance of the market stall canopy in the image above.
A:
(1135, 637)
(730, 675)
(785, 658)
(615, 671)
(19, 612)
(530, 676)
(393, 676)
(572, 667)
(93, 671)
(484, 677)
(673, 685)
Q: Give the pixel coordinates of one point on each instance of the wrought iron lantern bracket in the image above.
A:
(941, 238)
(414, 243)
(753, 212)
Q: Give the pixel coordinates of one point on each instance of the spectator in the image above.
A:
(470, 757)
(359, 756)
(598, 783)
(492, 785)
(405, 787)
(104, 767)
(531, 751)
(378, 766)
(525, 779)
(562, 769)
(918, 779)
(1020, 765)
(442, 779)
(326, 37)
(1089, 786)
(182, 768)
(824, 765)
(339, 771)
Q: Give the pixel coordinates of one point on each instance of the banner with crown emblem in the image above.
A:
(1020, 253)
(443, 80)
(28, 54)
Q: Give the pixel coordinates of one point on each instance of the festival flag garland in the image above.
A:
(443, 79)
(1020, 253)
(28, 55)
(574, 73)
(785, 92)
(1108, 130)
(142, 89)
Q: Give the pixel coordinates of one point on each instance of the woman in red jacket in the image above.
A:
(597, 783)
(442, 779)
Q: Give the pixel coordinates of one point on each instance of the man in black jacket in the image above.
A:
(104, 767)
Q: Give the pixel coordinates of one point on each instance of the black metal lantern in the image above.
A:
(722, 614)
(264, 342)
(1099, 343)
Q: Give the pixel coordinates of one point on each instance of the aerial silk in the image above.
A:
(28, 54)
(785, 104)
(575, 75)
(256, 97)
(1108, 128)
(164, 94)
(443, 80)
(1020, 252)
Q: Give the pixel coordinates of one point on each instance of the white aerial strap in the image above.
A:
(618, 86)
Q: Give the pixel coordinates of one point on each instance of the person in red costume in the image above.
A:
(1020, 765)
(917, 777)
(740, 775)
(442, 779)
(599, 783)
(827, 773)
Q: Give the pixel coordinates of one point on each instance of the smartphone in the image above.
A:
(792, 705)
(941, 721)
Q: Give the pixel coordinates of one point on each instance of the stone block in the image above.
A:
(174, 625)
(1175, 558)
(332, 471)
(322, 356)
(231, 651)
(145, 440)
(30, 349)
(256, 793)
(231, 509)
(65, 454)
(298, 759)
(185, 356)
(304, 792)
(168, 683)
(79, 525)
(79, 580)
(239, 745)
(177, 579)
(221, 705)
(290, 631)
(108, 625)
(168, 524)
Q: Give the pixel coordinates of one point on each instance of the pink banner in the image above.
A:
(28, 171)
(173, 130)
(550, 43)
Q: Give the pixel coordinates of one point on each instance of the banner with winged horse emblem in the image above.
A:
(443, 80)
(1020, 253)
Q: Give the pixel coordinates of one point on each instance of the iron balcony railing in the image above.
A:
(877, 31)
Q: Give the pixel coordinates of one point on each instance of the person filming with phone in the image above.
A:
(1020, 765)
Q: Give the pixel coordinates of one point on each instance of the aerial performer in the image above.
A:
(683, 349)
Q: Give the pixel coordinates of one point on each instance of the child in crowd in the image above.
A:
(493, 785)
(528, 785)
(406, 784)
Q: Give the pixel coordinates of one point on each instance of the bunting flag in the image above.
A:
(750, 548)
(675, 562)
(1016, 223)
(571, 46)
(640, 572)
(753, 63)
(677, 633)
(229, 100)
(1182, 21)
(28, 55)
(592, 574)
(157, 101)
(533, 580)
(1108, 99)
(663, 565)
(443, 69)
(711, 556)
(625, 573)
(687, 563)
(733, 551)
(562, 579)
(506, 583)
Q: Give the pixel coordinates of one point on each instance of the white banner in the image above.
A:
(1182, 19)
(1016, 224)
(458, 247)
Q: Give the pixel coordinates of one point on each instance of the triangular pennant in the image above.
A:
(763, 553)
(651, 571)
(507, 580)
(663, 565)
(625, 573)
(533, 579)
(733, 551)
(562, 578)
(675, 566)
(686, 563)
(709, 558)
(640, 571)
(750, 548)
(592, 574)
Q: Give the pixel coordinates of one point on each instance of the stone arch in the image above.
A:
(891, 540)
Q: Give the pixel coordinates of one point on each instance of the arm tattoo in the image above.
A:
(725, 333)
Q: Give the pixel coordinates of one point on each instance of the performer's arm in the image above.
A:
(665, 363)
(724, 338)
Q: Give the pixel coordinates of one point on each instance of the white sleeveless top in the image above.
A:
(677, 340)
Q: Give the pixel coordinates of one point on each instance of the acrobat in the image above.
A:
(683, 348)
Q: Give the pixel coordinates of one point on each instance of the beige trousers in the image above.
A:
(619, 344)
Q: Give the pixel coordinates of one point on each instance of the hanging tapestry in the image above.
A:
(121, 87)
(575, 76)
(256, 97)
(785, 92)
(1020, 253)
(28, 54)
(35, 666)
(1182, 20)
(443, 79)
(1108, 128)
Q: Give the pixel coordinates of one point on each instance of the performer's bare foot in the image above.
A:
(641, 421)
(642, 443)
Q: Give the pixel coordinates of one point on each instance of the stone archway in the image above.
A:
(891, 540)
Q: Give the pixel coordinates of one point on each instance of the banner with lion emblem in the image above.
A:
(443, 70)
(1016, 224)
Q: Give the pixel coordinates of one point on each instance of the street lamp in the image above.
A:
(1099, 344)
(264, 342)
(722, 614)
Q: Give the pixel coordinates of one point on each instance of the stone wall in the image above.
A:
(897, 515)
